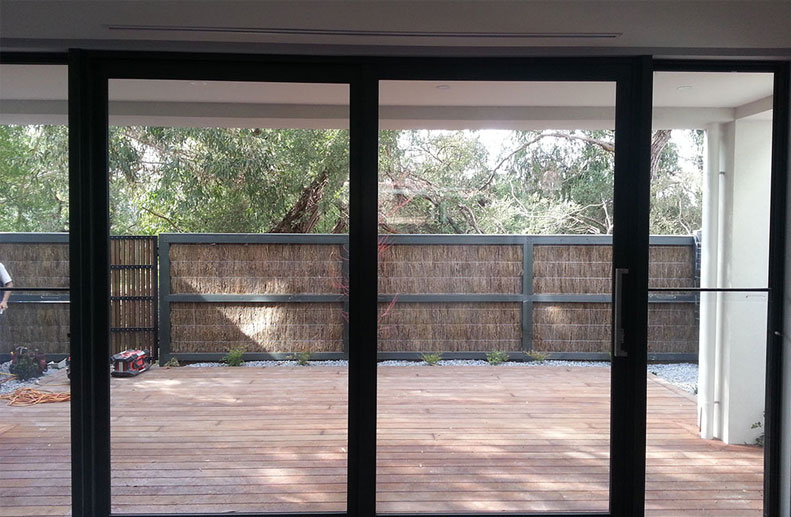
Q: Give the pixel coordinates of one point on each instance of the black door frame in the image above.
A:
(89, 72)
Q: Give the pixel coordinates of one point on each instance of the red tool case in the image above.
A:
(130, 363)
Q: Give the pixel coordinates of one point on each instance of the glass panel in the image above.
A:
(688, 472)
(710, 190)
(35, 434)
(246, 409)
(514, 415)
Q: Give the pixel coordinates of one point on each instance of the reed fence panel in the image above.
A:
(274, 295)
(36, 319)
(449, 327)
(256, 268)
(256, 327)
(449, 268)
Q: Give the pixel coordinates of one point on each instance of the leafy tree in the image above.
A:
(224, 180)
(542, 182)
(288, 180)
(34, 178)
(677, 192)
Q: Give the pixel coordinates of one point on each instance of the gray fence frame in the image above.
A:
(527, 298)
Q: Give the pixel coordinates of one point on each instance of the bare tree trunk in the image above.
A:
(659, 140)
(342, 224)
(304, 215)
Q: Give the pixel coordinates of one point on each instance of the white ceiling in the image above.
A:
(467, 27)
(680, 100)
(399, 27)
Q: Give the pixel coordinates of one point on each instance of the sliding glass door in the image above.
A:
(712, 186)
(495, 296)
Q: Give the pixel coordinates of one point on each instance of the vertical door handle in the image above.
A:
(618, 335)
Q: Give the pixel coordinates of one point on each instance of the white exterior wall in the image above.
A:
(735, 254)
(745, 261)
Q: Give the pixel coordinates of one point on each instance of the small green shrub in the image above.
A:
(538, 357)
(234, 357)
(302, 358)
(172, 363)
(431, 359)
(496, 357)
(758, 425)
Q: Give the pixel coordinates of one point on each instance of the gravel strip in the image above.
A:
(683, 375)
(12, 385)
(508, 364)
(268, 364)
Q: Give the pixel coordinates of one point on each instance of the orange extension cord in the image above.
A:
(31, 397)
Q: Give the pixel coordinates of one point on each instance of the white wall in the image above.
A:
(746, 250)
(733, 325)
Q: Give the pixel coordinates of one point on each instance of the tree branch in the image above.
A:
(164, 218)
(607, 146)
(470, 217)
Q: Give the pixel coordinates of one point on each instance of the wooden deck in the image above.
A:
(451, 439)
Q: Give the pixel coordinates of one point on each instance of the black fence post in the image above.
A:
(164, 299)
(527, 292)
(345, 282)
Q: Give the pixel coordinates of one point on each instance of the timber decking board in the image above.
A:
(450, 439)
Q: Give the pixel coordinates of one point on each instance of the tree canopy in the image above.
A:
(296, 180)
(34, 181)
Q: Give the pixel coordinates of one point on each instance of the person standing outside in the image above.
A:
(5, 281)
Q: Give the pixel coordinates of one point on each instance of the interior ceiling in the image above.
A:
(417, 27)
(398, 27)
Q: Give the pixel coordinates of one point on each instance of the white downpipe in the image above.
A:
(719, 339)
(708, 278)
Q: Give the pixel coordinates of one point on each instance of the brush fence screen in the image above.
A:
(40, 319)
(586, 270)
(37, 319)
(235, 275)
(282, 294)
